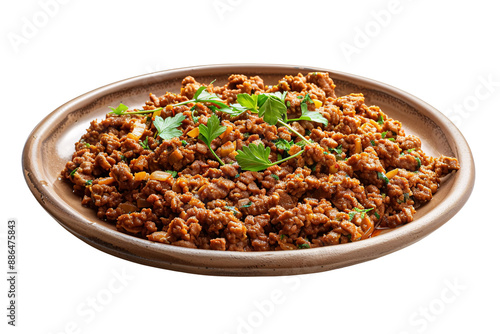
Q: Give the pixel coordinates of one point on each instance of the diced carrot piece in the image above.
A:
(357, 146)
(317, 103)
(194, 133)
(392, 173)
(140, 176)
(106, 180)
(228, 131)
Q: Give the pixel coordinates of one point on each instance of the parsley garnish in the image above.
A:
(384, 134)
(167, 128)
(303, 246)
(145, 144)
(249, 204)
(184, 143)
(282, 144)
(419, 163)
(356, 210)
(172, 172)
(373, 142)
(383, 177)
(232, 209)
(73, 171)
(122, 110)
(381, 120)
(256, 158)
(276, 177)
(307, 115)
(209, 132)
(376, 215)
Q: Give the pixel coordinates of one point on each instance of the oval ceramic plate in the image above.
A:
(51, 145)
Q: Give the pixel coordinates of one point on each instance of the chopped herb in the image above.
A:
(307, 115)
(122, 110)
(361, 211)
(124, 158)
(246, 135)
(282, 144)
(282, 236)
(209, 132)
(276, 177)
(232, 209)
(256, 158)
(301, 143)
(391, 139)
(73, 171)
(249, 204)
(167, 128)
(406, 196)
(237, 176)
(145, 144)
(381, 120)
(325, 152)
(349, 238)
(172, 172)
(184, 143)
(383, 177)
(373, 142)
(411, 150)
(303, 246)
(384, 134)
(195, 119)
(419, 163)
(313, 167)
(376, 215)
(87, 145)
(88, 182)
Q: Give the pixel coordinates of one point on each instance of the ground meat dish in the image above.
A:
(358, 173)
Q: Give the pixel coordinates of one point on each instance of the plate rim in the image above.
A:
(256, 263)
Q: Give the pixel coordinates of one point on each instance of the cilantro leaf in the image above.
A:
(282, 144)
(272, 110)
(167, 128)
(256, 158)
(172, 172)
(120, 110)
(145, 144)
(209, 132)
(313, 116)
(250, 102)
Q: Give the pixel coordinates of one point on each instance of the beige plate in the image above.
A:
(51, 144)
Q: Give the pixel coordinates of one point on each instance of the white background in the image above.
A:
(440, 51)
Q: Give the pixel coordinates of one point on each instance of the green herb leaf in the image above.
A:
(232, 209)
(373, 142)
(250, 102)
(209, 132)
(120, 110)
(384, 134)
(88, 182)
(381, 120)
(145, 144)
(73, 171)
(172, 172)
(419, 163)
(167, 128)
(376, 215)
(272, 110)
(256, 158)
(276, 177)
(249, 204)
(282, 144)
(184, 143)
(383, 177)
(303, 246)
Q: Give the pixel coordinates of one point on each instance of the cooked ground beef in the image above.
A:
(361, 172)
